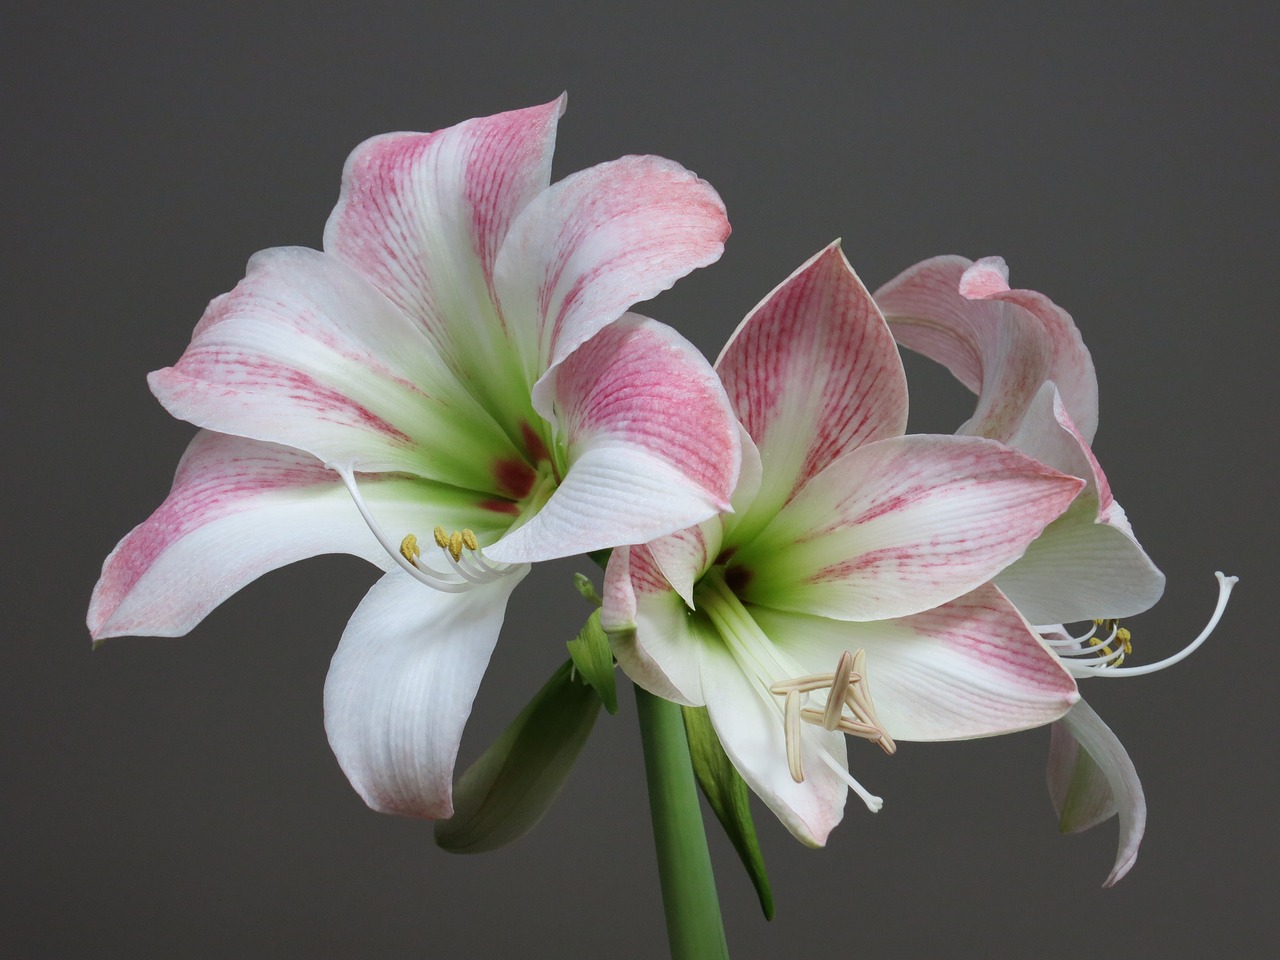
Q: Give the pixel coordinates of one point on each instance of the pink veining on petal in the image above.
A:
(212, 482)
(635, 382)
(813, 372)
(420, 212)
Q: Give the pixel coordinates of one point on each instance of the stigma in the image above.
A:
(848, 708)
(1101, 651)
(465, 565)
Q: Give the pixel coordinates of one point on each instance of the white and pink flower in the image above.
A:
(458, 358)
(1037, 391)
(848, 591)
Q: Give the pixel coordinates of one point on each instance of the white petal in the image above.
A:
(748, 719)
(1108, 753)
(400, 689)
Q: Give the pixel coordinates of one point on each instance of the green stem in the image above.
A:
(694, 928)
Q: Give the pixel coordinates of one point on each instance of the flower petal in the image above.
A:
(652, 445)
(239, 508)
(1080, 568)
(1087, 563)
(1071, 367)
(1108, 755)
(812, 373)
(401, 685)
(968, 668)
(749, 722)
(902, 525)
(306, 352)
(593, 245)
(653, 638)
(422, 216)
(996, 349)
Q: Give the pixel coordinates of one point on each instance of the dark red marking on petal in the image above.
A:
(737, 579)
(514, 478)
(500, 506)
(533, 444)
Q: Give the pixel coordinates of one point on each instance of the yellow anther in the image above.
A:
(409, 548)
(455, 545)
(442, 538)
(469, 539)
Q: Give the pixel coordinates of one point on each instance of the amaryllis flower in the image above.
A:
(452, 390)
(848, 592)
(1037, 391)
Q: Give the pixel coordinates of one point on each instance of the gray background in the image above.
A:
(178, 798)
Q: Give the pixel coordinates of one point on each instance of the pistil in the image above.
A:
(1107, 655)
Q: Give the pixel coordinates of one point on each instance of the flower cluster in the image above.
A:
(454, 388)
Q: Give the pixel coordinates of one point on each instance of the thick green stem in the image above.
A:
(694, 928)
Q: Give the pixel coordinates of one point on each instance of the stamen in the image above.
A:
(1097, 669)
(839, 681)
(846, 687)
(466, 571)
(432, 578)
(792, 731)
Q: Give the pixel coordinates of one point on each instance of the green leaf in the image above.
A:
(729, 797)
(588, 589)
(505, 793)
(594, 661)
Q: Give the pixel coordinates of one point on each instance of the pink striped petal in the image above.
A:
(400, 689)
(1084, 748)
(748, 719)
(1071, 367)
(422, 216)
(307, 353)
(968, 668)
(902, 525)
(995, 349)
(652, 445)
(596, 243)
(238, 509)
(1002, 344)
(812, 373)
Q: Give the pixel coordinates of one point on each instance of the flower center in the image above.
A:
(758, 657)
(1093, 655)
(465, 563)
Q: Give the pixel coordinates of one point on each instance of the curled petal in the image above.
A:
(652, 445)
(812, 373)
(401, 685)
(1002, 344)
(902, 525)
(1083, 748)
(968, 668)
(238, 509)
